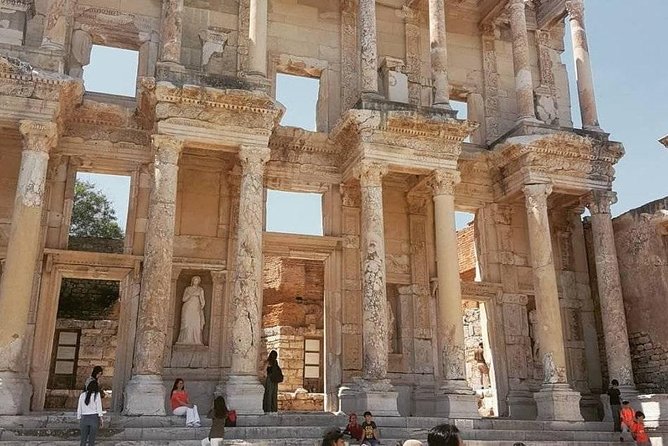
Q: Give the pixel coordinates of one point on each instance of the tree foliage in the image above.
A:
(92, 213)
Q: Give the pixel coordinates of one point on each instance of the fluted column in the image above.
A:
(145, 393)
(610, 289)
(521, 61)
(556, 400)
(171, 31)
(366, 15)
(257, 35)
(18, 272)
(439, 53)
(243, 389)
(583, 70)
(450, 326)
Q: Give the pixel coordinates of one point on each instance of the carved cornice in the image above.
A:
(38, 136)
(560, 154)
(599, 201)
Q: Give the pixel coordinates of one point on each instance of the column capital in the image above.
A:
(218, 277)
(517, 3)
(253, 158)
(443, 182)
(371, 173)
(536, 194)
(599, 201)
(489, 30)
(38, 136)
(575, 9)
(167, 148)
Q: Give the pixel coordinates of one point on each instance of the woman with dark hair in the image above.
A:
(444, 435)
(181, 404)
(95, 376)
(274, 376)
(218, 414)
(89, 412)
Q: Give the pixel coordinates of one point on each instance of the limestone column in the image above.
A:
(56, 24)
(243, 389)
(257, 35)
(171, 31)
(610, 289)
(368, 49)
(556, 400)
(439, 53)
(583, 70)
(458, 400)
(521, 61)
(145, 393)
(374, 292)
(18, 272)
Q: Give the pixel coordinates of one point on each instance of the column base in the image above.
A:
(378, 397)
(455, 399)
(630, 394)
(558, 402)
(243, 393)
(15, 393)
(521, 405)
(144, 395)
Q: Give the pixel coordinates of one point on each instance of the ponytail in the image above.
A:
(92, 389)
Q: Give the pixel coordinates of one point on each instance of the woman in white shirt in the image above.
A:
(90, 412)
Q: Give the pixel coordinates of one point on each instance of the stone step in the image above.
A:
(287, 442)
(288, 432)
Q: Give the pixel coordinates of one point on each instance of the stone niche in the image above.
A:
(191, 355)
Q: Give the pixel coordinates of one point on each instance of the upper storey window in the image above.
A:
(299, 95)
(112, 71)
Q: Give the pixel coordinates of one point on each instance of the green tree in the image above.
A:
(92, 214)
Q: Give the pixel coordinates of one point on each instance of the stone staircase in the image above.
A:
(295, 429)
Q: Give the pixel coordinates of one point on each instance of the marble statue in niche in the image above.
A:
(533, 334)
(192, 314)
(391, 328)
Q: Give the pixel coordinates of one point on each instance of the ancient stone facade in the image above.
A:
(201, 141)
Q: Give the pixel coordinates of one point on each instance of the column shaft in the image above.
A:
(374, 292)
(550, 335)
(521, 62)
(583, 72)
(368, 48)
(439, 52)
(450, 325)
(247, 294)
(145, 393)
(18, 274)
(171, 31)
(56, 24)
(257, 35)
(610, 289)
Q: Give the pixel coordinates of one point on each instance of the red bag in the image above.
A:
(231, 420)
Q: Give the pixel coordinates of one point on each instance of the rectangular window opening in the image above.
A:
(462, 112)
(300, 96)
(294, 212)
(99, 212)
(112, 71)
(313, 381)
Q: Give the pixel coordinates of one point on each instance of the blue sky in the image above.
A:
(626, 41)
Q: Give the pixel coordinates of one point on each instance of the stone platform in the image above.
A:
(296, 429)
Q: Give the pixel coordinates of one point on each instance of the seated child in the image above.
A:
(370, 431)
(354, 429)
(626, 418)
(638, 430)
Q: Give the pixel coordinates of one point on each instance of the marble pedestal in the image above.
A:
(521, 405)
(15, 391)
(244, 393)
(379, 398)
(145, 395)
(456, 406)
(558, 402)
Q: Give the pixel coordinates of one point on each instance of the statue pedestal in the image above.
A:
(558, 402)
(378, 397)
(145, 395)
(244, 394)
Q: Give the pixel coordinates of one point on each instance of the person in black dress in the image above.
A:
(274, 377)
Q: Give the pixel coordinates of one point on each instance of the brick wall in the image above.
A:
(88, 299)
(650, 363)
(466, 253)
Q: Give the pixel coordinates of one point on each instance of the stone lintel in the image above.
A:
(300, 246)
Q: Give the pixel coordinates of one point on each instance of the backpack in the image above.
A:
(231, 420)
(278, 378)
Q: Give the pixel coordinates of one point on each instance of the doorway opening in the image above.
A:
(86, 336)
(293, 325)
